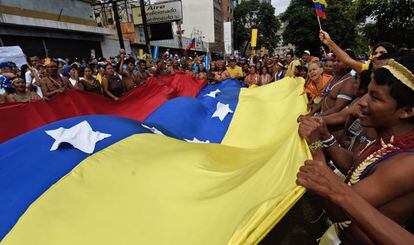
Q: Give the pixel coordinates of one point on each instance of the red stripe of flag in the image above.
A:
(320, 13)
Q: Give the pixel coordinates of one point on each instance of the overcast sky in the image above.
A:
(280, 5)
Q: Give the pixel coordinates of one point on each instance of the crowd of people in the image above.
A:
(45, 77)
(360, 124)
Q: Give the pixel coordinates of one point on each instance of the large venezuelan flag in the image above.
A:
(144, 188)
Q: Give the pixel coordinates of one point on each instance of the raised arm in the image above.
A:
(340, 53)
(121, 64)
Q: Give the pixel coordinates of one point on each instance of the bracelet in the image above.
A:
(315, 146)
(329, 142)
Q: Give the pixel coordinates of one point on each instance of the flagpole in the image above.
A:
(319, 22)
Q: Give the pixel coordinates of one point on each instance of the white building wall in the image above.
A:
(110, 46)
(198, 15)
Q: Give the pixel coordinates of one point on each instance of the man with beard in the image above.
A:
(381, 175)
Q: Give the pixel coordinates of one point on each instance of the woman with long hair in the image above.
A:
(265, 77)
(88, 83)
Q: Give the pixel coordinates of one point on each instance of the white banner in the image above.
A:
(228, 47)
(12, 53)
(159, 13)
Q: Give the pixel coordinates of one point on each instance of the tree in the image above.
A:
(388, 20)
(251, 14)
(302, 27)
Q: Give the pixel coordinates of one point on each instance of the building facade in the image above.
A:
(204, 20)
(263, 1)
(53, 28)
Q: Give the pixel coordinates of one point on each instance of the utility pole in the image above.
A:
(180, 35)
(144, 22)
(117, 23)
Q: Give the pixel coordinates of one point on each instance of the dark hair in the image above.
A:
(351, 53)
(108, 65)
(364, 80)
(265, 67)
(129, 61)
(301, 68)
(23, 70)
(402, 94)
(86, 67)
(391, 49)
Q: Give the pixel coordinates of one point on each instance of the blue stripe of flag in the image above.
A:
(319, 6)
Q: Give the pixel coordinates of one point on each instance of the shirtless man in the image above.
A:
(339, 93)
(143, 72)
(382, 174)
(53, 83)
(128, 77)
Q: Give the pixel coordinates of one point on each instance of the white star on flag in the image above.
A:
(152, 129)
(195, 140)
(81, 136)
(222, 111)
(214, 93)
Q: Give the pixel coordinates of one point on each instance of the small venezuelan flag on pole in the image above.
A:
(320, 7)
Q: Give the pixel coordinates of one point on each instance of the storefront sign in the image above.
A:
(159, 13)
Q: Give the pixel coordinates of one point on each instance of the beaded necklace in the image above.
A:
(354, 174)
(19, 97)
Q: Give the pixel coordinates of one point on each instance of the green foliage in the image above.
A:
(389, 20)
(302, 26)
(253, 13)
(351, 23)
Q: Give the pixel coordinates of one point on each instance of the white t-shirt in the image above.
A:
(72, 81)
(30, 80)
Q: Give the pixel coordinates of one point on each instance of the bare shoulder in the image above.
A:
(10, 98)
(399, 167)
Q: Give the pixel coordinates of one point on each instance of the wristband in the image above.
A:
(329, 142)
(317, 145)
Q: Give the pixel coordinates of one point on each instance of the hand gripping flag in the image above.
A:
(320, 7)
